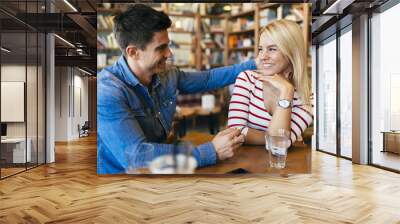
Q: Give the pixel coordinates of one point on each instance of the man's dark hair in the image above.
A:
(138, 24)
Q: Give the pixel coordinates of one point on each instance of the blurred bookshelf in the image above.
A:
(247, 19)
(107, 46)
(182, 36)
(212, 42)
(202, 37)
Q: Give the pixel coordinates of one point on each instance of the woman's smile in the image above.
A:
(268, 65)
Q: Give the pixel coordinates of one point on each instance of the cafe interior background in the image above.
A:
(205, 36)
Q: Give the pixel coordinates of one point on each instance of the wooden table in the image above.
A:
(255, 159)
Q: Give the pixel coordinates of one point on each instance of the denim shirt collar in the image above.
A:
(130, 77)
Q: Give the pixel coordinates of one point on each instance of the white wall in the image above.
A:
(71, 94)
(80, 110)
(12, 73)
(61, 103)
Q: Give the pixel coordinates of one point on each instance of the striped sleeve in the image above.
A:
(302, 118)
(239, 106)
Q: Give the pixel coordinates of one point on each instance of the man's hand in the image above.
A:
(226, 141)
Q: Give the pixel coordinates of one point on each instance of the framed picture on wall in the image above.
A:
(12, 101)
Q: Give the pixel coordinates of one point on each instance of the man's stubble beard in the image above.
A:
(162, 67)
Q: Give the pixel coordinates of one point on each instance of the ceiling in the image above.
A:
(76, 22)
(328, 16)
(72, 20)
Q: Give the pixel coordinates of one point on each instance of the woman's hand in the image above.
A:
(278, 82)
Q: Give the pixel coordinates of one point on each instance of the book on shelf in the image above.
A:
(205, 61)
(268, 12)
(101, 42)
(267, 15)
(101, 60)
(104, 60)
(219, 40)
(232, 41)
(105, 22)
(238, 57)
(249, 24)
(217, 58)
(212, 41)
(286, 9)
(235, 9)
(205, 27)
(112, 59)
(182, 56)
(213, 25)
(248, 6)
(238, 42)
(246, 42)
(212, 58)
(182, 23)
(101, 23)
(207, 44)
(242, 7)
(217, 29)
(241, 24)
(112, 42)
(295, 15)
(181, 37)
(178, 8)
(107, 41)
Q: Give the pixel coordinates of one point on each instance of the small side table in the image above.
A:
(391, 141)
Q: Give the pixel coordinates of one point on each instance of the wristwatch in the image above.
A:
(284, 103)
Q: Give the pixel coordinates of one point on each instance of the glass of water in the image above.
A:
(139, 158)
(180, 161)
(277, 144)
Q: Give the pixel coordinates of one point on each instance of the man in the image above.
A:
(137, 95)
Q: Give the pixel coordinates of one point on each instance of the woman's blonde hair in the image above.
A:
(288, 37)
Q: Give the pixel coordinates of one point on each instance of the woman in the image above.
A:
(277, 97)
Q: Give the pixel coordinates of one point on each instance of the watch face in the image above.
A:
(284, 103)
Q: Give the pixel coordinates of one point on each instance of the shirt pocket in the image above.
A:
(138, 113)
(168, 106)
(142, 119)
(169, 101)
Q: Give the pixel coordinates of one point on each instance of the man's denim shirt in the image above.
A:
(129, 115)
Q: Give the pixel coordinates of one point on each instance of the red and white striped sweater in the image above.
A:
(247, 108)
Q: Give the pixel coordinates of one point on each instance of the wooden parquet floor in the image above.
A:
(70, 191)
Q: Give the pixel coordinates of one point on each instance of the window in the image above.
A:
(346, 92)
(385, 88)
(22, 75)
(327, 98)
